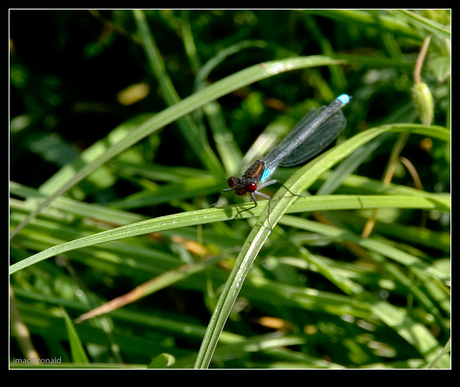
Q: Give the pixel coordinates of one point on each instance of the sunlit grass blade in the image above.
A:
(316, 168)
(297, 183)
(178, 110)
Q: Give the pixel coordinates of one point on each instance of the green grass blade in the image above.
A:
(227, 85)
(186, 124)
(422, 22)
(193, 218)
(76, 347)
(303, 179)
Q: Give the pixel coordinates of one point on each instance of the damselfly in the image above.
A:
(314, 132)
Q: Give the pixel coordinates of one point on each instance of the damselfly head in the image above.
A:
(241, 186)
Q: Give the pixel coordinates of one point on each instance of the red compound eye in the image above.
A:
(231, 182)
(251, 187)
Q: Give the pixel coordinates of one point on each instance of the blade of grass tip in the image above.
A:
(76, 347)
(227, 85)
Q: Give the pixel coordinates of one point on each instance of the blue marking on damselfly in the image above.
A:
(312, 134)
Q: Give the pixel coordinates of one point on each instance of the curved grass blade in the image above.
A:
(225, 86)
(300, 181)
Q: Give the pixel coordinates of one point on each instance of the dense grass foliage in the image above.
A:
(125, 125)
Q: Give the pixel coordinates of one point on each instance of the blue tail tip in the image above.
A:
(344, 98)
